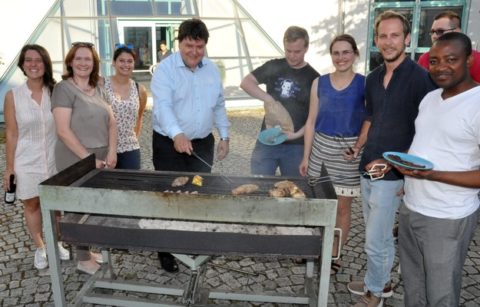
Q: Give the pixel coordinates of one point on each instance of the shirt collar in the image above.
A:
(182, 64)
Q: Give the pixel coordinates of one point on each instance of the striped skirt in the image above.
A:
(345, 174)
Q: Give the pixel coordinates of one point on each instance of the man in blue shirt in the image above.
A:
(188, 103)
(393, 92)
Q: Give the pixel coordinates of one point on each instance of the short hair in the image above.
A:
(454, 18)
(293, 33)
(193, 28)
(392, 15)
(94, 75)
(163, 42)
(48, 79)
(124, 49)
(459, 38)
(345, 38)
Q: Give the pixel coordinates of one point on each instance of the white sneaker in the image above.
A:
(63, 253)
(40, 260)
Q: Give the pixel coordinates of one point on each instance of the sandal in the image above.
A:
(334, 268)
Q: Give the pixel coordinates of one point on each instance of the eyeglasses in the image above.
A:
(83, 44)
(128, 46)
(440, 32)
(342, 53)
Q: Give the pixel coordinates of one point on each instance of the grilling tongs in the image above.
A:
(225, 178)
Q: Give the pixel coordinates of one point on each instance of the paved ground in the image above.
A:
(22, 285)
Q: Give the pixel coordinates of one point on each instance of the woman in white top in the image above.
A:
(31, 137)
(128, 100)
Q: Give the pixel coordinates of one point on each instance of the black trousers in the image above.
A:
(166, 158)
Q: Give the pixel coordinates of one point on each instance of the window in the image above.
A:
(420, 14)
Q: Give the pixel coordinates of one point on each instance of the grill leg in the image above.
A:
(190, 295)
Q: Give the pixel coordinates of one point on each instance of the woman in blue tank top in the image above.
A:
(332, 130)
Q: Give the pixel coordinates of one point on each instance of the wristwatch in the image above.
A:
(225, 139)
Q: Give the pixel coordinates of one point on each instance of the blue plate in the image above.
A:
(407, 161)
(272, 136)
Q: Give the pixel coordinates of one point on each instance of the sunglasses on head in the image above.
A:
(128, 46)
(83, 44)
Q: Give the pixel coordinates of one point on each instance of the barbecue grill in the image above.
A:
(107, 208)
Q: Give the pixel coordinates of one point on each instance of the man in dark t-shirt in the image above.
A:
(288, 82)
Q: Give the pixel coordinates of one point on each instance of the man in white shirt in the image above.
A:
(440, 211)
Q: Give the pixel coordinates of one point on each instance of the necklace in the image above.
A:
(85, 90)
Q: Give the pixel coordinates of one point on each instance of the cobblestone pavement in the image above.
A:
(22, 285)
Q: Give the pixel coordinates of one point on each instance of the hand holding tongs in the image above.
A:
(377, 171)
(226, 179)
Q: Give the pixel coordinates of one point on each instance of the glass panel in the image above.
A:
(407, 12)
(168, 7)
(174, 7)
(141, 39)
(215, 8)
(49, 38)
(426, 19)
(223, 33)
(232, 72)
(58, 70)
(131, 7)
(258, 43)
(84, 8)
(80, 31)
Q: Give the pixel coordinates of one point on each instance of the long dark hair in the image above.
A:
(48, 79)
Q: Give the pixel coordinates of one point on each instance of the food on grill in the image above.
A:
(285, 184)
(180, 192)
(407, 163)
(180, 181)
(197, 180)
(297, 193)
(276, 192)
(245, 189)
(286, 188)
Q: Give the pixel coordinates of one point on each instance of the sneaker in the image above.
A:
(369, 300)
(40, 260)
(358, 288)
(63, 253)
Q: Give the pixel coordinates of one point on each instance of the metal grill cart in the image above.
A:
(103, 208)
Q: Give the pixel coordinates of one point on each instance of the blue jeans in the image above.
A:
(128, 159)
(381, 200)
(266, 159)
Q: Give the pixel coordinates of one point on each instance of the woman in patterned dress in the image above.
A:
(30, 132)
(128, 100)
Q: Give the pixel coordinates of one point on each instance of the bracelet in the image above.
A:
(225, 139)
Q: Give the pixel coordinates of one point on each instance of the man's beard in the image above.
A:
(396, 57)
